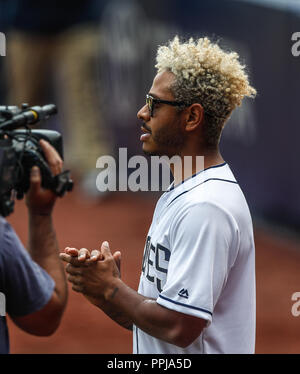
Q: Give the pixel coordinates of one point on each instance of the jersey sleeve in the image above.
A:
(201, 240)
(27, 287)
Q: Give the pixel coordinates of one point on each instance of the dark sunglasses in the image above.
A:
(151, 101)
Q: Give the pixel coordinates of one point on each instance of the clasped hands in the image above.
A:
(93, 273)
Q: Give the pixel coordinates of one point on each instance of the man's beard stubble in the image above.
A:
(169, 141)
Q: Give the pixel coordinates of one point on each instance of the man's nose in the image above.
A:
(143, 113)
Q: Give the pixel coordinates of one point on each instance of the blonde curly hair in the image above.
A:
(206, 74)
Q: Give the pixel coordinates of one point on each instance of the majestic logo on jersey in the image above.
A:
(184, 293)
(155, 257)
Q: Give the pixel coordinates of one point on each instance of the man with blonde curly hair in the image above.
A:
(197, 287)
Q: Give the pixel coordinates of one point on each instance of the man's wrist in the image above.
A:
(37, 218)
(43, 212)
(112, 290)
(39, 214)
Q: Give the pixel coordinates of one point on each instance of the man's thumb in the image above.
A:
(117, 258)
(35, 177)
(105, 247)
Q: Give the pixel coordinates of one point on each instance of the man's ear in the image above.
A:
(195, 116)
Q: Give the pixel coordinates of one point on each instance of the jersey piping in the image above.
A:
(185, 305)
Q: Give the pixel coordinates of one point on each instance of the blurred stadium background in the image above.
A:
(95, 60)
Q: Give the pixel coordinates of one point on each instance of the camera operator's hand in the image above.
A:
(43, 248)
(39, 200)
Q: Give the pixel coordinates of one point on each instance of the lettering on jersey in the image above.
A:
(147, 262)
(153, 259)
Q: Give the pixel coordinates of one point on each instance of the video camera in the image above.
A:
(20, 151)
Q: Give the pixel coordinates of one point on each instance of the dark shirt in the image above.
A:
(48, 17)
(26, 286)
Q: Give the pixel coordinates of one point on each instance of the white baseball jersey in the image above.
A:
(199, 259)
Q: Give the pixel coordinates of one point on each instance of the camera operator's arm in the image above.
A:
(43, 248)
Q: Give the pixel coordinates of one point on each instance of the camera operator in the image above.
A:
(33, 280)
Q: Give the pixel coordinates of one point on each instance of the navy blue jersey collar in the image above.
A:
(220, 172)
(172, 187)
